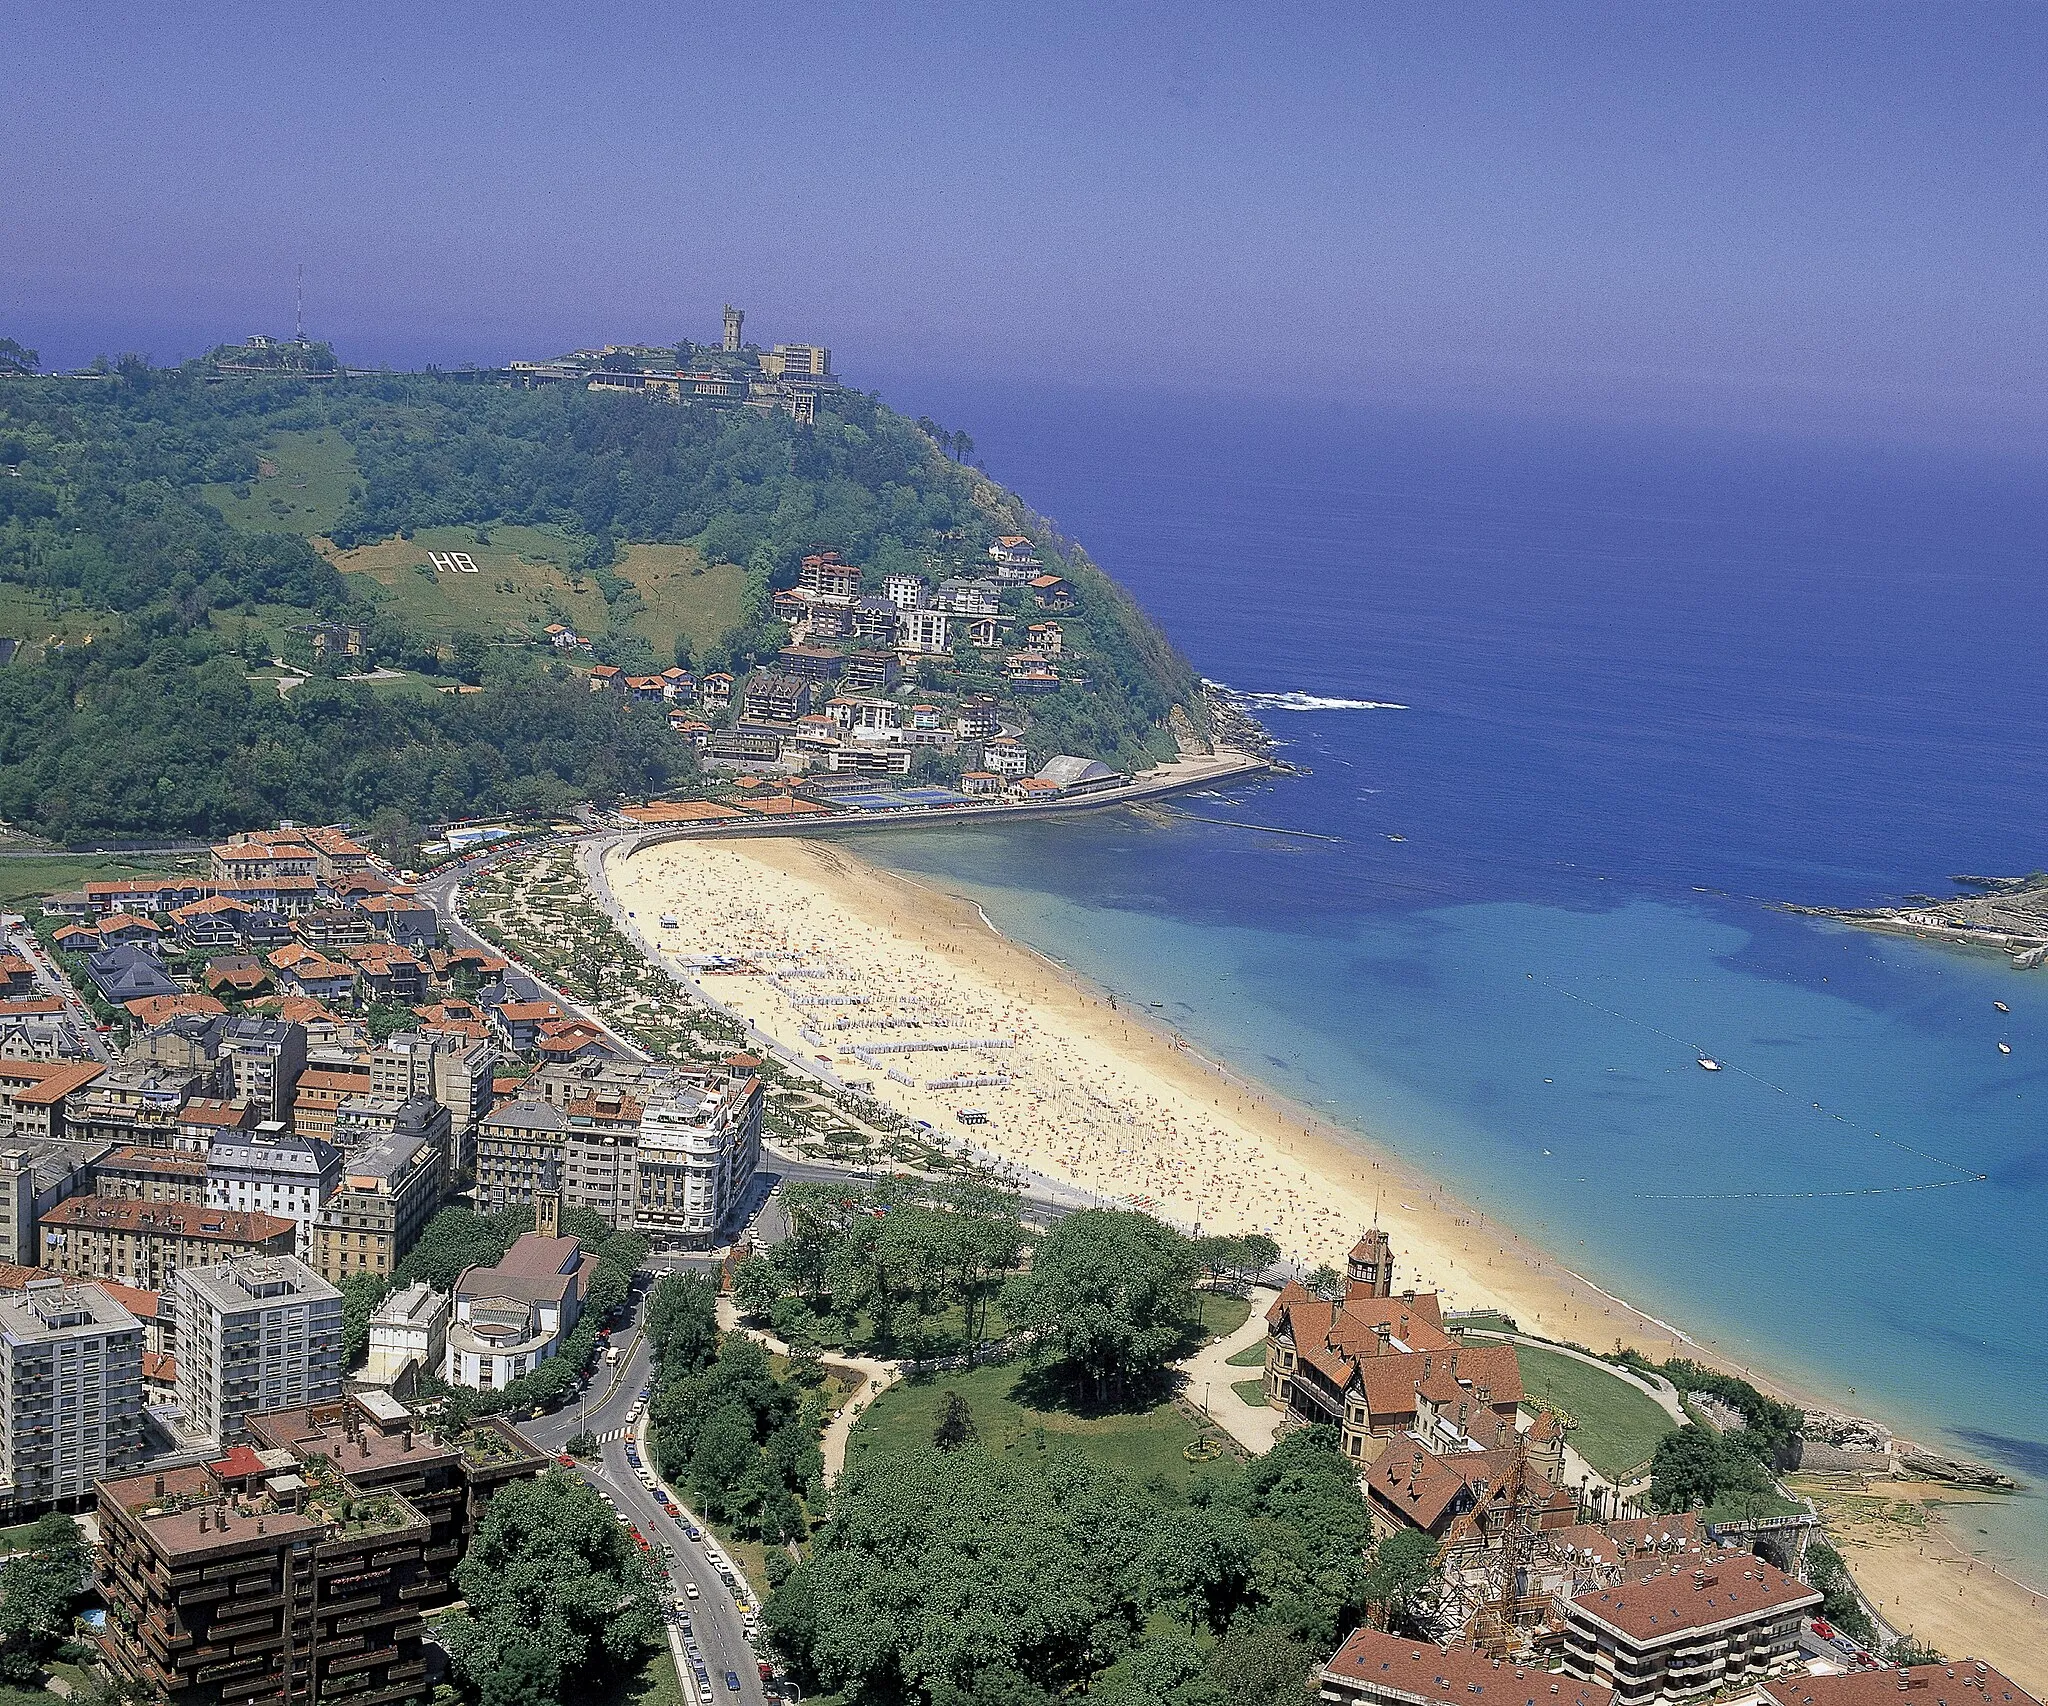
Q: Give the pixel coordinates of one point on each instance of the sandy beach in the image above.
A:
(1098, 1097)
(1095, 1095)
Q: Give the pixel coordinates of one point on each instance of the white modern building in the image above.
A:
(276, 1171)
(410, 1326)
(259, 1334)
(700, 1142)
(70, 1392)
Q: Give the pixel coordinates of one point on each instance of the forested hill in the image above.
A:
(162, 535)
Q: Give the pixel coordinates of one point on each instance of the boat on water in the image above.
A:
(1397, 837)
(2001, 1006)
(2005, 1048)
(1709, 1064)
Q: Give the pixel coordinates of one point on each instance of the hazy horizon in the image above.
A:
(1827, 220)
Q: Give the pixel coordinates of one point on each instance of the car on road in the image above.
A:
(690, 1588)
(732, 1680)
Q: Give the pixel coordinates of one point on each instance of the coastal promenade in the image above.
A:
(1175, 777)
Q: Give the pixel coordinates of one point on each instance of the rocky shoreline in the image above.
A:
(2006, 915)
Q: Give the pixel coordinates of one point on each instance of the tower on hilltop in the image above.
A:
(734, 319)
(1371, 1264)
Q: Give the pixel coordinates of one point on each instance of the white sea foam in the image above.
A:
(1314, 702)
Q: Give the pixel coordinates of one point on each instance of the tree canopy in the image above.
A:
(1110, 1295)
(554, 1591)
(38, 1586)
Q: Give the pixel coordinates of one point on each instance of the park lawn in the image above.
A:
(1222, 1314)
(1253, 1392)
(36, 875)
(301, 487)
(1252, 1356)
(1618, 1426)
(1148, 1442)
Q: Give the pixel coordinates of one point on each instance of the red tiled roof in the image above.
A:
(160, 1368)
(1663, 1607)
(143, 1305)
(36, 1083)
(154, 1010)
(1957, 1682)
(1418, 1669)
(238, 1465)
(174, 1220)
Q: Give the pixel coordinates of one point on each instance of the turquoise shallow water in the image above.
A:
(1651, 687)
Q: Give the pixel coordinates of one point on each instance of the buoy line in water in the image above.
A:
(1964, 1175)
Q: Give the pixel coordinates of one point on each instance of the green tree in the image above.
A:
(17, 360)
(955, 1426)
(550, 1573)
(466, 653)
(1403, 1573)
(757, 1286)
(1110, 1297)
(38, 1586)
(360, 1295)
(1258, 1665)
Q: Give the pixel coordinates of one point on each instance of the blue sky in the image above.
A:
(1794, 214)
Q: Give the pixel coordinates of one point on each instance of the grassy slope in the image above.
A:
(1619, 1427)
(30, 878)
(302, 489)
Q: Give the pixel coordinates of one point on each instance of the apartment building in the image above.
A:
(260, 1063)
(698, 1145)
(143, 1244)
(389, 1190)
(1688, 1630)
(151, 1175)
(254, 1335)
(519, 1153)
(295, 1572)
(35, 1178)
(274, 1171)
(70, 1391)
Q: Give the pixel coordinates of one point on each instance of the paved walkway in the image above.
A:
(1210, 1377)
(876, 1378)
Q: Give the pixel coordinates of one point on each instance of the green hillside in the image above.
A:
(182, 522)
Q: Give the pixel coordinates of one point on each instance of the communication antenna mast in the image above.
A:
(299, 307)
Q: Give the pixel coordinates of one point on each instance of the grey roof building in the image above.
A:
(255, 1335)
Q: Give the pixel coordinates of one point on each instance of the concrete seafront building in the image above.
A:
(1688, 1630)
(70, 1392)
(294, 1570)
(699, 1143)
(409, 1327)
(254, 1336)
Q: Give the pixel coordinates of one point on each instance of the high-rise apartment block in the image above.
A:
(254, 1336)
(70, 1391)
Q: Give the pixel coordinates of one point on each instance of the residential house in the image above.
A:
(824, 573)
(905, 592)
(128, 973)
(1006, 756)
(1050, 592)
(33, 1095)
(1013, 552)
(240, 975)
(874, 620)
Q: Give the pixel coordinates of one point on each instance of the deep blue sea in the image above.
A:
(1652, 683)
